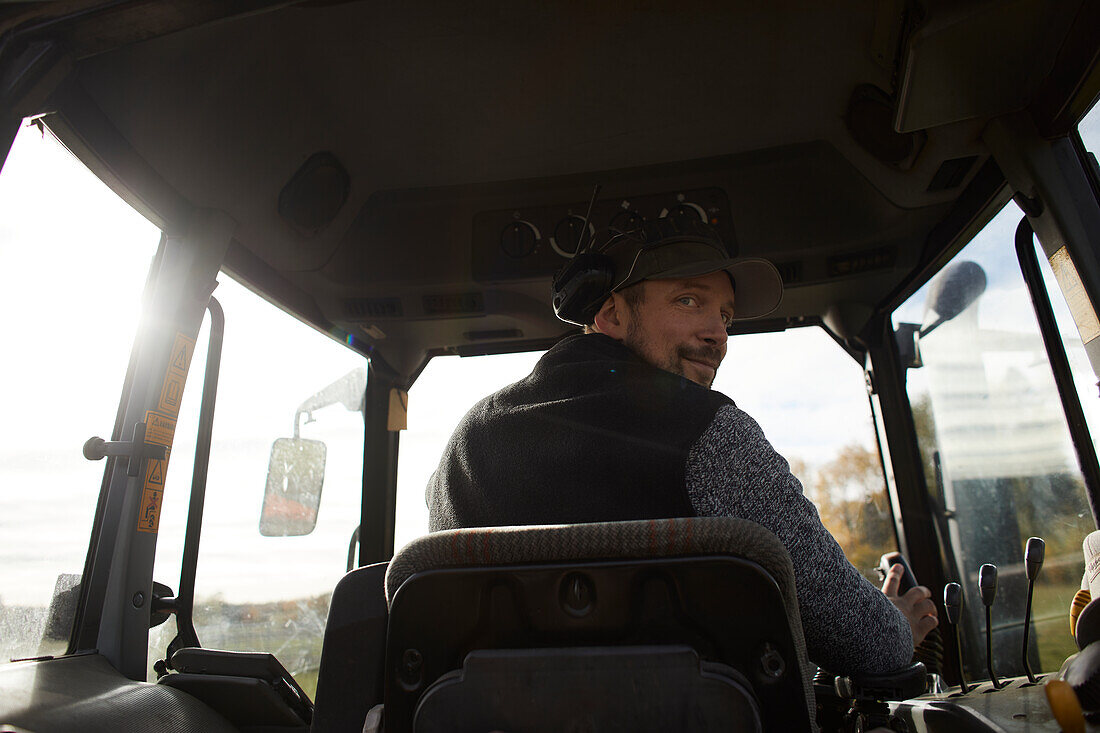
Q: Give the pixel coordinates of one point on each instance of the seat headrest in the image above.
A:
(644, 538)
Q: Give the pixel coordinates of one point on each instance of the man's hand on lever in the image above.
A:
(916, 604)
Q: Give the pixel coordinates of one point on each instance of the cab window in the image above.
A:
(441, 395)
(810, 398)
(262, 586)
(70, 288)
(999, 461)
(823, 428)
(1084, 378)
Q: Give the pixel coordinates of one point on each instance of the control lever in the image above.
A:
(908, 580)
(987, 588)
(952, 605)
(869, 694)
(1033, 562)
(930, 651)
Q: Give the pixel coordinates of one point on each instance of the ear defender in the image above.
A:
(581, 287)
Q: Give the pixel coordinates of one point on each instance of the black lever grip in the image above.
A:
(900, 684)
(1034, 554)
(908, 580)
(952, 602)
(987, 583)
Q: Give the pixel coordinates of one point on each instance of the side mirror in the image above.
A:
(954, 290)
(295, 475)
(296, 470)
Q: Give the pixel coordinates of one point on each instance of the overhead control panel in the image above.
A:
(534, 242)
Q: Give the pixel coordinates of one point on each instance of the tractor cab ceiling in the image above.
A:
(409, 176)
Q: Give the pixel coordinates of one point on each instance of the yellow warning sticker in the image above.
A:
(171, 394)
(179, 360)
(154, 473)
(152, 494)
(182, 350)
(149, 518)
(159, 429)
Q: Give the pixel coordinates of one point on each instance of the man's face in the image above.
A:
(680, 325)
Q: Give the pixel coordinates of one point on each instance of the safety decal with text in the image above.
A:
(160, 429)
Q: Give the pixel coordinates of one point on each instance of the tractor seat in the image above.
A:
(653, 625)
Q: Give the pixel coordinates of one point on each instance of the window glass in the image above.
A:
(255, 592)
(1084, 376)
(73, 262)
(996, 445)
(445, 390)
(1089, 129)
(804, 390)
(810, 398)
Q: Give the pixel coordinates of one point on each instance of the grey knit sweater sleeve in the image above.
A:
(850, 625)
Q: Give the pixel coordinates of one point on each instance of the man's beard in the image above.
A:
(706, 354)
(672, 362)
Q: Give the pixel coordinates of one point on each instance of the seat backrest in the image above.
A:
(556, 604)
(349, 682)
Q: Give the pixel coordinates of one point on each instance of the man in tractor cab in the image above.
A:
(620, 423)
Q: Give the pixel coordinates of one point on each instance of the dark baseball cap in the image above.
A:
(677, 252)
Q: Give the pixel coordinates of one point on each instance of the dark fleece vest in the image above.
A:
(593, 434)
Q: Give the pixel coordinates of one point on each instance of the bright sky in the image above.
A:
(74, 260)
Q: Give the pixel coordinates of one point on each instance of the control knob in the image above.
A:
(519, 239)
(569, 234)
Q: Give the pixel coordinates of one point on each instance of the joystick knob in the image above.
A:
(987, 583)
(952, 602)
(952, 605)
(1034, 554)
(1033, 562)
(987, 588)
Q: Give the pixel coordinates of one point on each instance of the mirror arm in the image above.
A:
(932, 326)
(908, 336)
(348, 391)
(185, 599)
